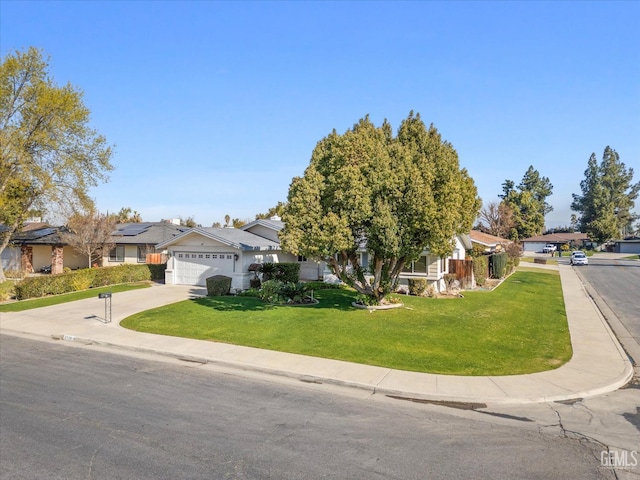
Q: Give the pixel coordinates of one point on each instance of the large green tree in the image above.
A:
(394, 196)
(528, 203)
(49, 155)
(605, 207)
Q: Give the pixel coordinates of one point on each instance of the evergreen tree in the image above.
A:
(528, 203)
(396, 195)
(608, 197)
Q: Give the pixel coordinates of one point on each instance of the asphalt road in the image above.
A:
(618, 283)
(73, 412)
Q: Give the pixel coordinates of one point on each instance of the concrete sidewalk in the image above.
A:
(598, 365)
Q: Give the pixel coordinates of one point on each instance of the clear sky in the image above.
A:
(214, 107)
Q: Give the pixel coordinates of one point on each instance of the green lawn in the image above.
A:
(67, 297)
(520, 327)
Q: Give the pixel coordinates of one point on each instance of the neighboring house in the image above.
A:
(537, 243)
(134, 241)
(200, 253)
(628, 245)
(38, 246)
(490, 243)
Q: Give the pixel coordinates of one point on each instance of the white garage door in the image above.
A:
(193, 268)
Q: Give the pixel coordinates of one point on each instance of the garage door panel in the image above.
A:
(193, 268)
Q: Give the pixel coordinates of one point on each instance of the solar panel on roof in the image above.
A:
(133, 229)
(44, 232)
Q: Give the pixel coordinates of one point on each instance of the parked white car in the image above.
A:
(549, 248)
(579, 258)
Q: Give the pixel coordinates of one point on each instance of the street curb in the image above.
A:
(371, 388)
(613, 324)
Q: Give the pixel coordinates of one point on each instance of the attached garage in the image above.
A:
(630, 245)
(193, 268)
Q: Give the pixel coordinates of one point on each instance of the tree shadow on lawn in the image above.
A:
(335, 299)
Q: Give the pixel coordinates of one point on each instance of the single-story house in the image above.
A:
(199, 253)
(429, 266)
(40, 245)
(135, 241)
(490, 243)
(628, 245)
(538, 242)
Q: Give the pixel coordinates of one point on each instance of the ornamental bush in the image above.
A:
(417, 286)
(218, 286)
(33, 287)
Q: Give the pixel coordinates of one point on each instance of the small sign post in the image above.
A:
(107, 306)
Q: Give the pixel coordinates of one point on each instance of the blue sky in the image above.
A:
(214, 107)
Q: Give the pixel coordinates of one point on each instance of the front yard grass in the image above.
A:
(68, 297)
(520, 327)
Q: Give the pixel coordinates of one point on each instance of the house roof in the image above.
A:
(232, 237)
(146, 233)
(558, 237)
(39, 236)
(271, 223)
(34, 226)
(629, 240)
(487, 239)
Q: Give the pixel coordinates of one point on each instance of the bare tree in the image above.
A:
(90, 234)
(498, 218)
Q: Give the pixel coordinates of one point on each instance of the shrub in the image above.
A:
(514, 252)
(368, 300)
(283, 272)
(255, 283)
(32, 287)
(268, 271)
(480, 267)
(6, 290)
(288, 272)
(498, 265)
(218, 285)
(417, 286)
(480, 281)
(270, 291)
(320, 285)
(292, 292)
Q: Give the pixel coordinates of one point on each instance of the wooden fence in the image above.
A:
(463, 270)
(156, 258)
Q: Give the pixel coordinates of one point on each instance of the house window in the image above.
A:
(302, 258)
(364, 260)
(116, 254)
(418, 266)
(142, 253)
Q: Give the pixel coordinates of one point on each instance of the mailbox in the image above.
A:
(104, 295)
